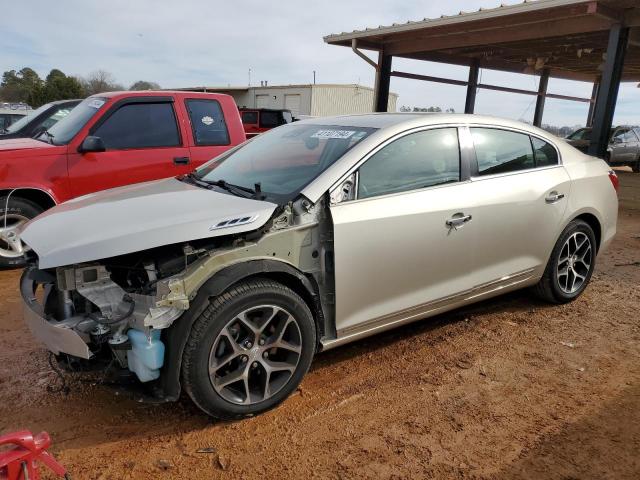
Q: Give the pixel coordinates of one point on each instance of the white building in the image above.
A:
(318, 100)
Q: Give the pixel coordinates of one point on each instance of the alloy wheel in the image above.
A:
(574, 263)
(10, 244)
(255, 354)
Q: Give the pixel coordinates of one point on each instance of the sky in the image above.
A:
(215, 43)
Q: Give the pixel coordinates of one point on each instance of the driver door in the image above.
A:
(395, 255)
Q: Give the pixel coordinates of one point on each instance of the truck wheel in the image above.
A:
(12, 215)
(248, 350)
(571, 264)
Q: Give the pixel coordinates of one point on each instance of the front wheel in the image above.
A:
(14, 212)
(248, 350)
(571, 264)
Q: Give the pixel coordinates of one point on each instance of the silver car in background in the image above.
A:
(227, 281)
(623, 148)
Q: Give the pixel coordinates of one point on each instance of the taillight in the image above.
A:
(614, 180)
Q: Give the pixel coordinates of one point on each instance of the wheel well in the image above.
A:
(295, 284)
(594, 223)
(39, 197)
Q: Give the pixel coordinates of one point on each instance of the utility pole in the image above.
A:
(314, 77)
(249, 76)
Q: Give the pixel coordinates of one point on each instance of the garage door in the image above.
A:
(262, 101)
(292, 102)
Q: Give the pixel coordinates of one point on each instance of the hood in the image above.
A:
(22, 144)
(138, 217)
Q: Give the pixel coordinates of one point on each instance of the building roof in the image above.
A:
(567, 36)
(264, 87)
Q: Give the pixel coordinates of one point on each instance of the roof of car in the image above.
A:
(385, 120)
(142, 93)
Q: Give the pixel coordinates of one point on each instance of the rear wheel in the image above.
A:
(13, 214)
(248, 350)
(571, 265)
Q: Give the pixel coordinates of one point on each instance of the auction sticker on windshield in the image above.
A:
(333, 134)
(96, 103)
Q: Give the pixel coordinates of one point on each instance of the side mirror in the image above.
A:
(91, 144)
(344, 191)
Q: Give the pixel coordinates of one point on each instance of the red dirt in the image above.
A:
(509, 388)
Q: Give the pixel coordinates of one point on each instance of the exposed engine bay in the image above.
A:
(114, 314)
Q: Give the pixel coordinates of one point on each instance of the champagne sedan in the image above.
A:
(225, 282)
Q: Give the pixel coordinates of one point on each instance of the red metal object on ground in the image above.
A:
(21, 461)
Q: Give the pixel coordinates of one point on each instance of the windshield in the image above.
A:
(284, 160)
(67, 128)
(14, 127)
(582, 134)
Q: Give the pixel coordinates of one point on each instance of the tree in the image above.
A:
(144, 85)
(23, 86)
(100, 81)
(60, 87)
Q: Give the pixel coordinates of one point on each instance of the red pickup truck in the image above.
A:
(109, 140)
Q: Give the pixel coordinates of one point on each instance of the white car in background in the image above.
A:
(227, 281)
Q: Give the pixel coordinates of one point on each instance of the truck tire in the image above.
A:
(248, 350)
(17, 211)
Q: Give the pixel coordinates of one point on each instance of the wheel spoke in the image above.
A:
(230, 378)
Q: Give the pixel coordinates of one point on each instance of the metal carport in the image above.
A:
(594, 41)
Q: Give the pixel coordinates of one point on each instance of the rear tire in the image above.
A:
(18, 211)
(570, 266)
(248, 350)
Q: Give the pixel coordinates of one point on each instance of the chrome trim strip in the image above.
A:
(425, 310)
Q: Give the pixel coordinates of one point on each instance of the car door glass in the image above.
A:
(618, 135)
(629, 136)
(545, 153)
(501, 151)
(418, 160)
(269, 119)
(140, 125)
(250, 118)
(207, 122)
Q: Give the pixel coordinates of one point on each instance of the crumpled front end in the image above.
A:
(82, 315)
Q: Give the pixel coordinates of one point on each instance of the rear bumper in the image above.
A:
(58, 339)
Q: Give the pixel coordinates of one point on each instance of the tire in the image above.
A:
(554, 286)
(635, 167)
(17, 210)
(219, 338)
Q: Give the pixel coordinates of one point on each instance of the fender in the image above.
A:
(175, 337)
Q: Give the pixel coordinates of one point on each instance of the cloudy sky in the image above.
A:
(198, 42)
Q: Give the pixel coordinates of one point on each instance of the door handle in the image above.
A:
(458, 220)
(181, 160)
(554, 197)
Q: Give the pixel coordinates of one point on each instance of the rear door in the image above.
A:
(619, 146)
(143, 142)
(518, 198)
(209, 130)
(395, 254)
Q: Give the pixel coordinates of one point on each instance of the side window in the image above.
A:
(418, 160)
(501, 151)
(269, 119)
(618, 135)
(140, 125)
(545, 154)
(249, 117)
(207, 122)
(629, 136)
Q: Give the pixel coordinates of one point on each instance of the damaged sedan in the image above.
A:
(224, 283)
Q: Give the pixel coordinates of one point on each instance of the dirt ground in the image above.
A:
(509, 388)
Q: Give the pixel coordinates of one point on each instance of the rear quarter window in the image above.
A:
(207, 122)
